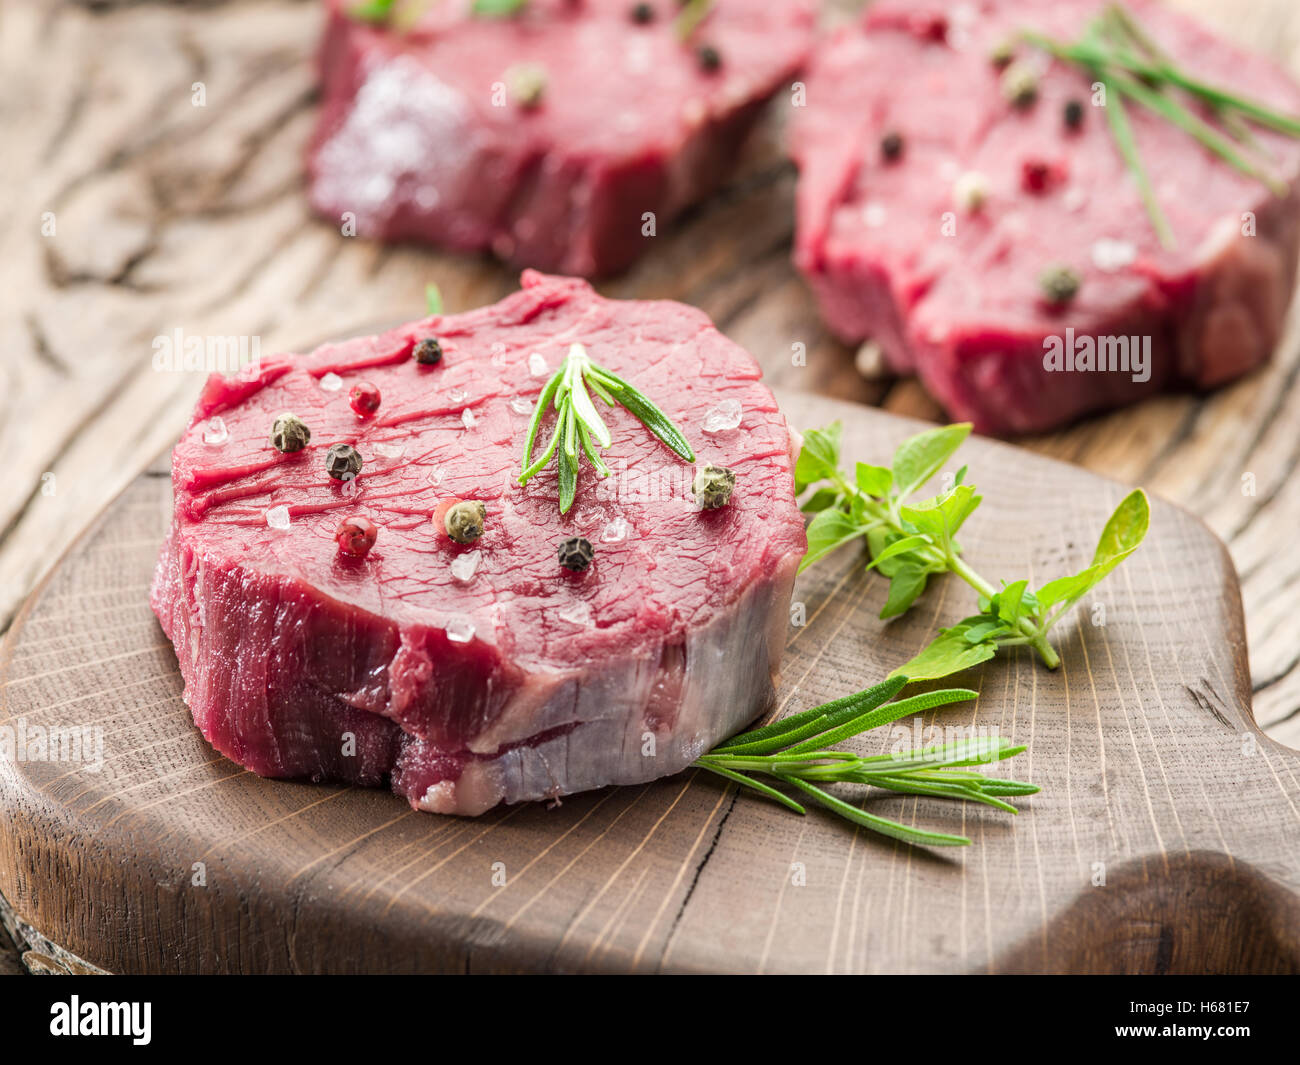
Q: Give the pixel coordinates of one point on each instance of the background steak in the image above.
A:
(964, 311)
(513, 679)
(414, 142)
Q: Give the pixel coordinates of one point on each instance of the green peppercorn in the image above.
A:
(527, 83)
(1060, 285)
(891, 145)
(709, 57)
(428, 352)
(1073, 114)
(713, 486)
(1020, 84)
(464, 521)
(342, 462)
(1002, 54)
(643, 13)
(576, 553)
(289, 433)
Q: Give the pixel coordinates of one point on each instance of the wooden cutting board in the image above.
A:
(1164, 839)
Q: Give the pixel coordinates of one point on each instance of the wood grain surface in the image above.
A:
(169, 215)
(1164, 839)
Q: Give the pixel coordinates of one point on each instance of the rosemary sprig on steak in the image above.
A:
(911, 542)
(1119, 54)
(579, 426)
(797, 752)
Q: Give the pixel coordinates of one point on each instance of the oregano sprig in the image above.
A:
(797, 752)
(579, 428)
(910, 542)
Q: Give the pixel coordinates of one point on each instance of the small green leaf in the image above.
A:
(819, 457)
(943, 515)
(826, 532)
(568, 480)
(497, 8)
(920, 457)
(874, 480)
(907, 583)
(822, 499)
(1122, 535)
(433, 298)
(899, 547)
(948, 653)
(372, 11)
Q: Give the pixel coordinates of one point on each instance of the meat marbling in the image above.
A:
(420, 138)
(961, 305)
(523, 679)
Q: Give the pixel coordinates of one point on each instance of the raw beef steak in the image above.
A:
(545, 137)
(964, 309)
(471, 674)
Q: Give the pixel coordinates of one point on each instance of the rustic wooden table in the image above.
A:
(152, 181)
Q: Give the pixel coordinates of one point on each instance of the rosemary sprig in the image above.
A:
(579, 426)
(797, 752)
(1118, 52)
(911, 542)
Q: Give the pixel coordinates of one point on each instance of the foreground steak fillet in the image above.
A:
(480, 673)
(965, 311)
(435, 134)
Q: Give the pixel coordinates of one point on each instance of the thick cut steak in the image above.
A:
(485, 672)
(892, 252)
(441, 133)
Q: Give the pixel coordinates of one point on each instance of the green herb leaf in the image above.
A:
(1122, 536)
(497, 8)
(941, 517)
(371, 10)
(949, 653)
(905, 586)
(819, 458)
(820, 500)
(920, 457)
(826, 532)
(902, 546)
(874, 480)
(432, 298)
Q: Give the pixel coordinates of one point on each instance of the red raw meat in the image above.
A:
(964, 311)
(420, 139)
(515, 679)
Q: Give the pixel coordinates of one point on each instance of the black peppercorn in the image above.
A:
(342, 462)
(643, 13)
(1073, 114)
(289, 433)
(891, 145)
(712, 486)
(428, 352)
(576, 553)
(710, 58)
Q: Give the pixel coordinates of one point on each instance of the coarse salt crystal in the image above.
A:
(1112, 255)
(874, 215)
(463, 567)
(215, 431)
(460, 629)
(331, 382)
(520, 405)
(537, 365)
(467, 418)
(724, 417)
(615, 532)
(457, 394)
(389, 451)
(278, 517)
(578, 613)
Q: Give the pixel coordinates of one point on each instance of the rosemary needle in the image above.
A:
(796, 752)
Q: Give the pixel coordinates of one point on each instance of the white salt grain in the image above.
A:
(460, 629)
(724, 417)
(215, 432)
(278, 517)
(331, 382)
(463, 567)
(537, 365)
(615, 532)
